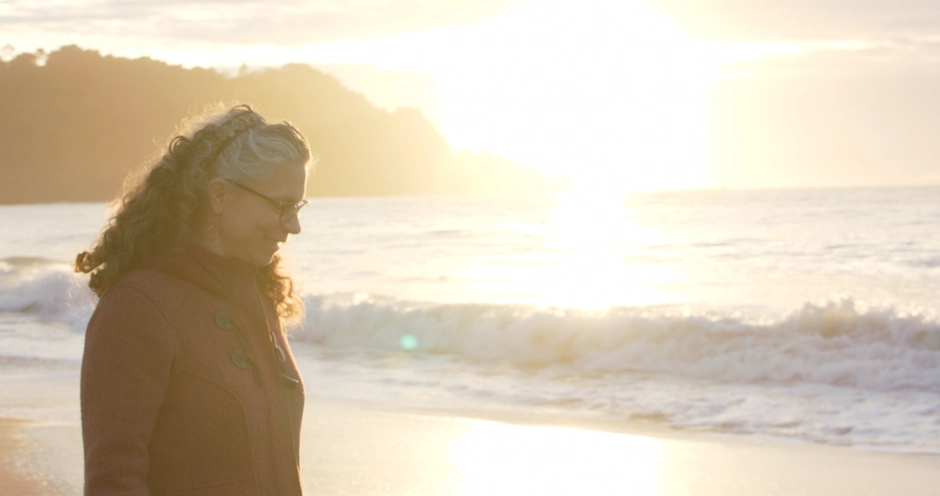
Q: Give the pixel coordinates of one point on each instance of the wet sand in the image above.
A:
(379, 450)
(16, 478)
(368, 451)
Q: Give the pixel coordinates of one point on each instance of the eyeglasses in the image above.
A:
(286, 211)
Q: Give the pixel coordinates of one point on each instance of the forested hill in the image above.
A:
(71, 128)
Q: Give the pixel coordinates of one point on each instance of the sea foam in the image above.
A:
(835, 343)
(45, 288)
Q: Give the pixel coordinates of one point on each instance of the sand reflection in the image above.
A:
(497, 459)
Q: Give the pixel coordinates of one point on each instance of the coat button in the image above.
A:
(223, 320)
(289, 381)
(239, 358)
(281, 356)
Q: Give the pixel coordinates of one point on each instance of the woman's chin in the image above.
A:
(264, 256)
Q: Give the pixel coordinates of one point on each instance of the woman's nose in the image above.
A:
(292, 224)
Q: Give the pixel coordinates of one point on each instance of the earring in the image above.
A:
(212, 233)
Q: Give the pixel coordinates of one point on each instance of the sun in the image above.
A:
(597, 90)
(604, 91)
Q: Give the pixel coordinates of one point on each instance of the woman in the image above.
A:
(188, 383)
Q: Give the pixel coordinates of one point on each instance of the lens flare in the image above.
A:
(408, 342)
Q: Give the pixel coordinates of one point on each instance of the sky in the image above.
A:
(615, 94)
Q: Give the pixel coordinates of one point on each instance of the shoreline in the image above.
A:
(363, 449)
(634, 426)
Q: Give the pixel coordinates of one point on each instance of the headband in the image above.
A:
(231, 129)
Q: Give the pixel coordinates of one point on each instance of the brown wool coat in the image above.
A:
(182, 389)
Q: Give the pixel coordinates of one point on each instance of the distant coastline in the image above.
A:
(76, 122)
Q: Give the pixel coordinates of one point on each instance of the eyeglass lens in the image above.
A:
(289, 211)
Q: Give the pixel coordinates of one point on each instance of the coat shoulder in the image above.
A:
(165, 290)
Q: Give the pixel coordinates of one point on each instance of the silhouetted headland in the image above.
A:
(74, 123)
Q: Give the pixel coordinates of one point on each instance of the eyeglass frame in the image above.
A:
(282, 207)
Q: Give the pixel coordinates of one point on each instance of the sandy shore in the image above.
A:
(377, 450)
(361, 450)
(16, 476)
(369, 451)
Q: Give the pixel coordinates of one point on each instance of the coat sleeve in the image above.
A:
(129, 350)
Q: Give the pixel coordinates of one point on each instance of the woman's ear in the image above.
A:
(217, 191)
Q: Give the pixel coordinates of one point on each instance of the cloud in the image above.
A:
(805, 20)
(249, 22)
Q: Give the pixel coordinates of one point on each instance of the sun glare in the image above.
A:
(593, 233)
(586, 259)
(496, 460)
(603, 90)
(596, 89)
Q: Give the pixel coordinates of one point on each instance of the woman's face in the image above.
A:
(250, 227)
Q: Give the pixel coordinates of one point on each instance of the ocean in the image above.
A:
(808, 315)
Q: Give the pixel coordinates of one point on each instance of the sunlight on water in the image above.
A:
(582, 261)
(594, 232)
(496, 460)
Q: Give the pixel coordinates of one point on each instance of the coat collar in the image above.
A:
(206, 269)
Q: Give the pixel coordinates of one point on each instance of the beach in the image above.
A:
(369, 449)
